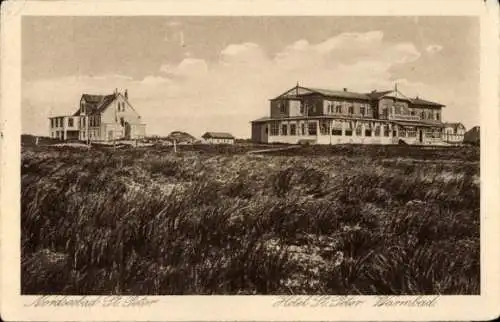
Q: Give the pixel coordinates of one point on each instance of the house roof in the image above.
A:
(419, 101)
(337, 93)
(217, 135)
(473, 135)
(378, 94)
(300, 91)
(96, 103)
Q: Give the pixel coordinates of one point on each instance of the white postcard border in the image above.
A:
(249, 308)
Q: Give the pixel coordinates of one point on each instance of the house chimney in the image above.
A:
(345, 89)
(126, 94)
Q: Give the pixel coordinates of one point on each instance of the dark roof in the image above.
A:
(337, 93)
(419, 101)
(217, 135)
(374, 95)
(96, 103)
(473, 135)
(377, 95)
(180, 136)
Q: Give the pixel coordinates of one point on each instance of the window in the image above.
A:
(303, 129)
(324, 127)
(411, 132)
(311, 126)
(348, 132)
(368, 110)
(70, 122)
(368, 132)
(351, 109)
(358, 130)
(338, 109)
(83, 121)
(377, 130)
(122, 121)
(313, 108)
(437, 116)
(301, 108)
(385, 112)
(422, 115)
(91, 120)
(402, 132)
(293, 129)
(274, 128)
(397, 109)
(284, 129)
(386, 130)
(412, 113)
(362, 110)
(338, 132)
(51, 123)
(282, 107)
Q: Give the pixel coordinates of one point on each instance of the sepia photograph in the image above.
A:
(250, 155)
(236, 155)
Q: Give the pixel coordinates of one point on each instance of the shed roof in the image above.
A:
(217, 135)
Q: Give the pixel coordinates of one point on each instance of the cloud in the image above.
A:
(187, 68)
(434, 48)
(226, 94)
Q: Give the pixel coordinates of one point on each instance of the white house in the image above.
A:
(100, 118)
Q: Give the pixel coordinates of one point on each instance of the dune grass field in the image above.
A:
(368, 220)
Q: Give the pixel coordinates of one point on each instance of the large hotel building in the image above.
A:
(323, 116)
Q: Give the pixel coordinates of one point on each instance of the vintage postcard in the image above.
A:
(250, 160)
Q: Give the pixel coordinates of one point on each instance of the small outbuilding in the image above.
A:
(218, 138)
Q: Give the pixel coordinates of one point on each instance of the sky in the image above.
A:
(199, 74)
